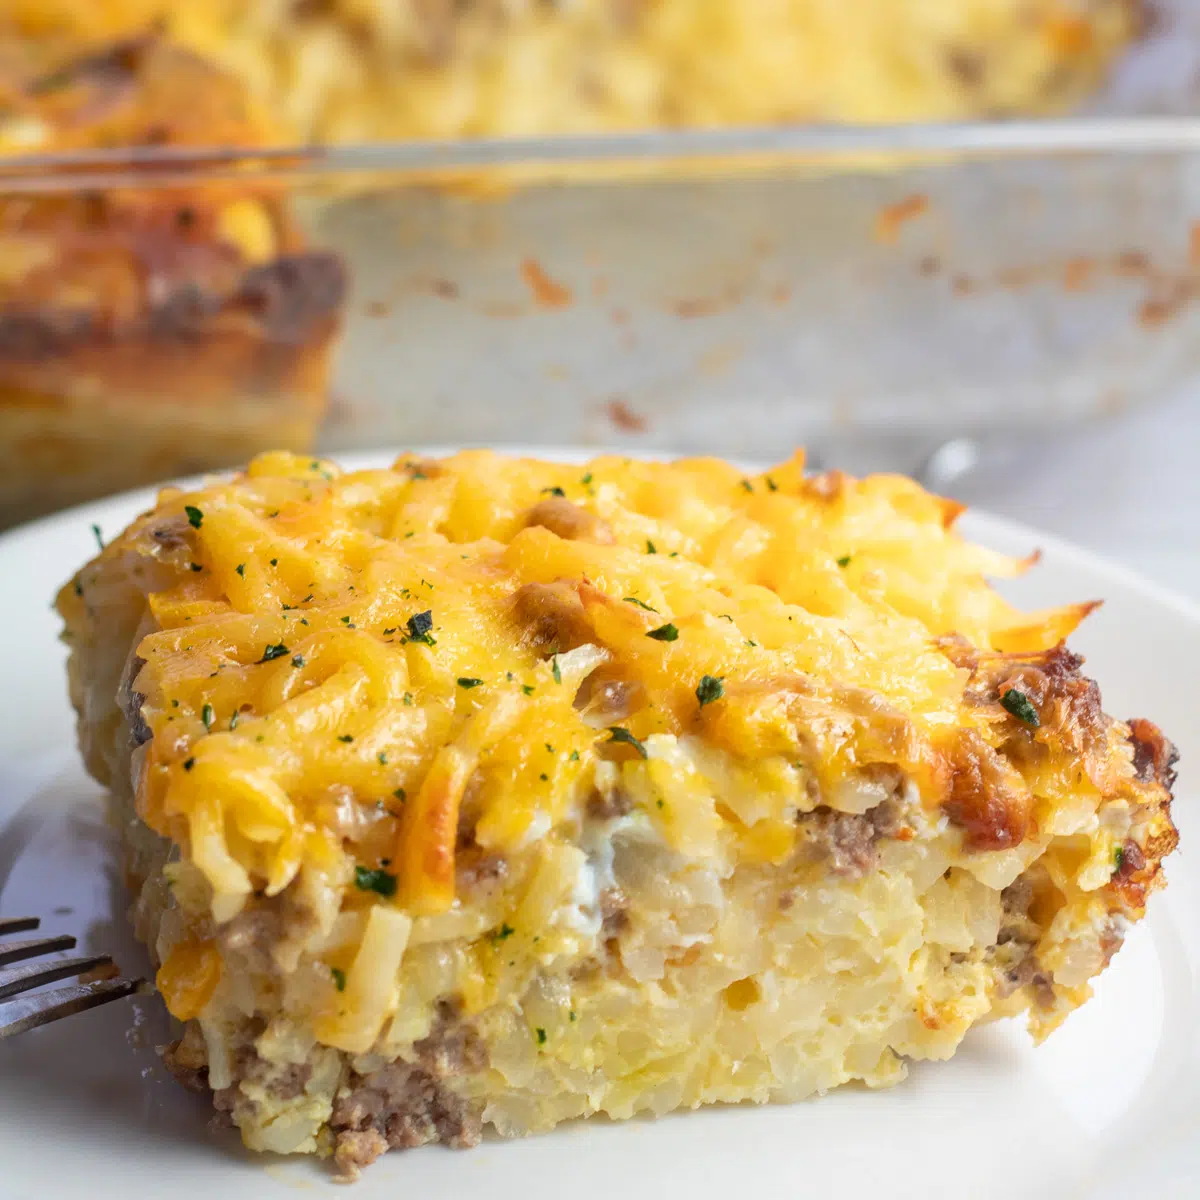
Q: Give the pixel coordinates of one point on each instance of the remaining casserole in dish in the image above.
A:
(146, 333)
(351, 70)
(483, 791)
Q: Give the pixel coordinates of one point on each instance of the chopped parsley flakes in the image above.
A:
(278, 650)
(844, 561)
(650, 547)
(420, 626)
(241, 569)
(98, 536)
(206, 715)
(339, 978)
(297, 661)
(505, 931)
(541, 1035)
(468, 681)
(555, 670)
(375, 880)
(345, 737)
(664, 633)
(194, 515)
(1021, 707)
(640, 604)
(626, 738)
(711, 688)
(553, 491)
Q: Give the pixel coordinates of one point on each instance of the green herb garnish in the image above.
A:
(844, 561)
(194, 515)
(339, 978)
(468, 681)
(711, 688)
(375, 880)
(420, 626)
(1020, 706)
(278, 650)
(627, 738)
(555, 670)
(241, 569)
(541, 1036)
(553, 491)
(650, 547)
(640, 604)
(206, 715)
(664, 633)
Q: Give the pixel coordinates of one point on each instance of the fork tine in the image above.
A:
(31, 1011)
(11, 952)
(22, 979)
(18, 924)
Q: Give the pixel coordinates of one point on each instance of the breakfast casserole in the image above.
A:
(482, 791)
(146, 332)
(354, 70)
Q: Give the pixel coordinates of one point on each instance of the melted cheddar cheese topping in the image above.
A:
(463, 640)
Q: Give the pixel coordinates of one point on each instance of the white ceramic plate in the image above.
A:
(1108, 1108)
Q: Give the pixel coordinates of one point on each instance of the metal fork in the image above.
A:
(17, 1016)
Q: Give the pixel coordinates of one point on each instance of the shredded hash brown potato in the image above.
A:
(489, 791)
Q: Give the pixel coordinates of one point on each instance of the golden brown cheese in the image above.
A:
(388, 613)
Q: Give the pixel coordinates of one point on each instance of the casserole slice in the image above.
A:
(147, 332)
(483, 791)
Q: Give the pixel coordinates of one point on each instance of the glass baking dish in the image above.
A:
(872, 292)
